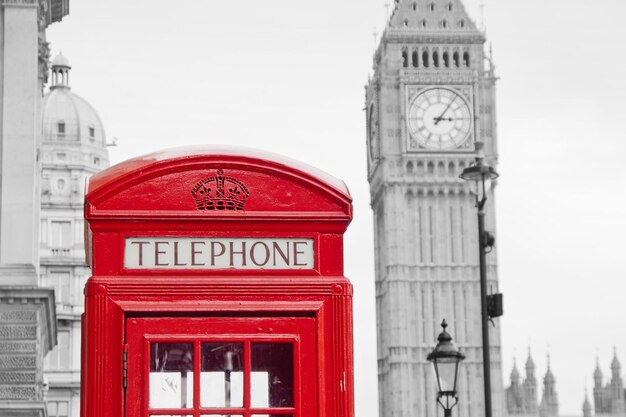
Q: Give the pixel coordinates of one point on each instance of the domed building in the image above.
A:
(73, 148)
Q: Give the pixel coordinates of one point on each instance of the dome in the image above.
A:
(68, 117)
(61, 61)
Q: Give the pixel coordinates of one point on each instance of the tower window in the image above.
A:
(466, 59)
(415, 59)
(450, 6)
(436, 59)
(444, 23)
(432, 7)
(406, 22)
(446, 59)
(61, 128)
(424, 23)
(462, 23)
(455, 58)
(405, 58)
(92, 132)
(425, 58)
(414, 6)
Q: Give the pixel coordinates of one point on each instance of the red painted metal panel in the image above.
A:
(171, 195)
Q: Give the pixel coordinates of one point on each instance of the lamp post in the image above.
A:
(480, 176)
(446, 358)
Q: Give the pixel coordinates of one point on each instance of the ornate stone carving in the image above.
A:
(17, 377)
(17, 393)
(18, 332)
(17, 362)
(17, 315)
(18, 347)
(44, 59)
(18, 2)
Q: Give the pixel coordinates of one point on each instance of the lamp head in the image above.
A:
(480, 175)
(446, 358)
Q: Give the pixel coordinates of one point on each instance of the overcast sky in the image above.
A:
(287, 76)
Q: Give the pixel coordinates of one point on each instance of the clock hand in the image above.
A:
(440, 118)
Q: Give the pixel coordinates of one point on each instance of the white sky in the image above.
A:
(288, 76)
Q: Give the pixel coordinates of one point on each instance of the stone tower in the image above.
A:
(586, 406)
(530, 387)
(431, 96)
(608, 398)
(27, 317)
(549, 406)
(73, 149)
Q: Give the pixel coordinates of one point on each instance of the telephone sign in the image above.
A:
(218, 253)
(217, 288)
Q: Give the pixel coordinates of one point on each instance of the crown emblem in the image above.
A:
(220, 193)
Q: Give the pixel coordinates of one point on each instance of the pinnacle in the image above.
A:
(431, 15)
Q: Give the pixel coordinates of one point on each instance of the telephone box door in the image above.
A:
(221, 366)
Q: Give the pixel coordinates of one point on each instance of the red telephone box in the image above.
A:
(217, 288)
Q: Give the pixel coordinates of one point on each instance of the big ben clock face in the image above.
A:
(439, 119)
(372, 132)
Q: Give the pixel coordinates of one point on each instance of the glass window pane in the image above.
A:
(223, 415)
(272, 375)
(171, 375)
(221, 376)
(272, 415)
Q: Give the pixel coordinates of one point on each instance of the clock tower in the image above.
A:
(430, 98)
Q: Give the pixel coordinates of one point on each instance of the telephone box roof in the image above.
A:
(190, 153)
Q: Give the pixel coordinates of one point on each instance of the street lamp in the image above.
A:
(446, 358)
(480, 175)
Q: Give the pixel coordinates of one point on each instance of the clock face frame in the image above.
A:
(372, 132)
(440, 119)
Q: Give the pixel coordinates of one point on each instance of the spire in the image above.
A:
(549, 401)
(530, 366)
(432, 16)
(60, 72)
(549, 377)
(616, 366)
(514, 374)
(586, 405)
(597, 374)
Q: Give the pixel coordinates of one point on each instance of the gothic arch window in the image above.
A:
(446, 59)
(436, 59)
(409, 168)
(430, 168)
(455, 58)
(420, 169)
(444, 23)
(450, 6)
(405, 58)
(462, 23)
(432, 7)
(414, 59)
(441, 169)
(451, 169)
(414, 6)
(425, 62)
(406, 22)
(466, 59)
(424, 23)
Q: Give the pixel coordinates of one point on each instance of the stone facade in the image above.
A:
(521, 396)
(608, 399)
(27, 314)
(430, 60)
(73, 148)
